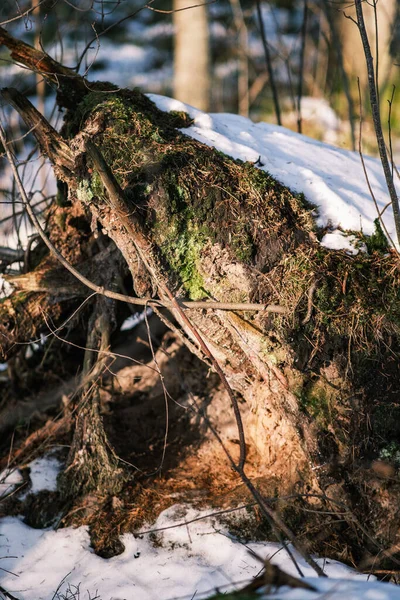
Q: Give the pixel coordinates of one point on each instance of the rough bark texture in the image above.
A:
(92, 465)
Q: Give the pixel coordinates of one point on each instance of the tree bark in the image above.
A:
(92, 465)
(192, 79)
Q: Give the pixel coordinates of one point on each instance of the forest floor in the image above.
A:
(188, 531)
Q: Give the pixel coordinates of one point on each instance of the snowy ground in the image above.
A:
(196, 558)
(192, 559)
(330, 177)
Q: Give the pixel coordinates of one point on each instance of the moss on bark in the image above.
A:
(226, 230)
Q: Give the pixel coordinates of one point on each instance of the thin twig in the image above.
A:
(7, 594)
(374, 2)
(310, 297)
(374, 100)
(390, 102)
(165, 393)
(380, 213)
(200, 518)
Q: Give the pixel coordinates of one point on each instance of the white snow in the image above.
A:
(337, 240)
(320, 110)
(9, 479)
(43, 474)
(135, 319)
(194, 558)
(330, 177)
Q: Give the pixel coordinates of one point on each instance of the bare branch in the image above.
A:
(374, 100)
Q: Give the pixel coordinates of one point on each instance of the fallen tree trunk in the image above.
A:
(316, 381)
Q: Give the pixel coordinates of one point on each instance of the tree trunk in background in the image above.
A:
(352, 47)
(243, 63)
(191, 55)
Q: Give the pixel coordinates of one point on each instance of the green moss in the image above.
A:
(377, 242)
(329, 299)
(189, 193)
(182, 248)
(315, 401)
(354, 297)
(84, 192)
(391, 453)
(184, 256)
(136, 142)
(305, 202)
(180, 119)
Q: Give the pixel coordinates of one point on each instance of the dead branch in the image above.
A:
(50, 141)
(40, 62)
(364, 166)
(274, 576)
(7, 594)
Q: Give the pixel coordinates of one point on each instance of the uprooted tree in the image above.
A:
(304, 340)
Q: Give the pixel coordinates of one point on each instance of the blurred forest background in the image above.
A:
(223, 56)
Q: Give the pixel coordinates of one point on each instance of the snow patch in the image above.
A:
(9, 479)
(330, 177)
(134, 320)
(337, 240)
(193, 558)
(43, 474)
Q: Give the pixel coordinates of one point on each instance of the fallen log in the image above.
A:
(314, 384)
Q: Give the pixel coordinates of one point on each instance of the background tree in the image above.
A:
(380, 15)
(192, 78)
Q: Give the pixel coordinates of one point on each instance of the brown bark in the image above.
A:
(92, 465)
(50, 292)
(21, 320)
(49, 140)
(70, 86)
